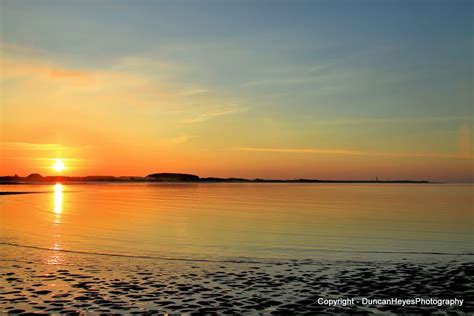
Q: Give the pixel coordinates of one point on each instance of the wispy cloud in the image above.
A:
(181, 139)
(322, 74)
(365, 120)
(465, 143)
(43, 72)
(301, 150)
(337, 151)
(30, 146)
(38, 146)
(278, 81)
(52, 159)
(18, 49)
(209, 115)
(142, 82)
(192, 92)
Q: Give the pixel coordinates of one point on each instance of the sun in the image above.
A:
(58, 165)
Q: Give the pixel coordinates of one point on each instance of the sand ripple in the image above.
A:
(81, 283)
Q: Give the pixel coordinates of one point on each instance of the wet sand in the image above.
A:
(40, 281)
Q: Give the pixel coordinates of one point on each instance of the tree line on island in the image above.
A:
(176, 177)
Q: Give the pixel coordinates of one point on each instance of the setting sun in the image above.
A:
(58, 165)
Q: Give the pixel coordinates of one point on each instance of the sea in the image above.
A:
(243, 221)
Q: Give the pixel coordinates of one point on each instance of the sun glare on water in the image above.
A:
(58, 199)
(58, 165)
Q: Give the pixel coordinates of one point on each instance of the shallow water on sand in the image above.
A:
(236, 221)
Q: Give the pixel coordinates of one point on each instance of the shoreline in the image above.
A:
(251, 260)
(224, 181)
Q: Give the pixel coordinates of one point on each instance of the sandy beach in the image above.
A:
(49, 281)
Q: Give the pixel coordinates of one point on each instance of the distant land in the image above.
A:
(176, 177)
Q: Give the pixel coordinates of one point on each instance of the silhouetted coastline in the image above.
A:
(177, 177)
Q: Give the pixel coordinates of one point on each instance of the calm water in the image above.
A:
(273, 221)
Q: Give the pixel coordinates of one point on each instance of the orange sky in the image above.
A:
(218, 102)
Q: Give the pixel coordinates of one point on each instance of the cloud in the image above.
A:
(301, 150)
(324, 75)
(52, 159)
(63, 73)
(39, 149)
(147, 64)
(18, 49)
(192, 92)
(30, 146)
(208, 115)
(17, 68)
(337, 151)
(129, 81)
(180, 139)
(37, 72)
(365, 120)
(276, 81)
(126, 77)
(465, 144)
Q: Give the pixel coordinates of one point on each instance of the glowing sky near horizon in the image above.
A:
(269, 89)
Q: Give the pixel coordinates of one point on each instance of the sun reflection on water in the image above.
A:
(56, 257)
(58, 198)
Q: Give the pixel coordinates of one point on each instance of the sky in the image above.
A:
(236, 88)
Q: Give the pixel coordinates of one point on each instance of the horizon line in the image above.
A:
(186, 177)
